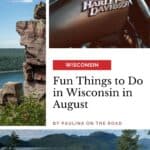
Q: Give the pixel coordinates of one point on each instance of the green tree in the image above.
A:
(128, 140)
(14, 140)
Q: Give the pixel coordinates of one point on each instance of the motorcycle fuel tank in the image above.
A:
(75, 22)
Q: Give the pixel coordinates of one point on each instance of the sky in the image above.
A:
(12, 11)
(29, 134)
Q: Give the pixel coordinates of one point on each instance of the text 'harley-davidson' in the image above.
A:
(99, 23)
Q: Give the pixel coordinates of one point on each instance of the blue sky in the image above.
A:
(29, 134)
(12, 11)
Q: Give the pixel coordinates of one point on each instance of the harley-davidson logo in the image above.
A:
(95, 6)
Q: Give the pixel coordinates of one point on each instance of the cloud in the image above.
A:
(22, 1)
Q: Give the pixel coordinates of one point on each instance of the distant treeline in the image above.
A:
(11, 59)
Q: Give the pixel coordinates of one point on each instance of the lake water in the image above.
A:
(11, 76)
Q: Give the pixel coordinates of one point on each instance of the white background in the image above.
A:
(132, 112)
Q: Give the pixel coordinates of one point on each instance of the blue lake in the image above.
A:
(11, 76)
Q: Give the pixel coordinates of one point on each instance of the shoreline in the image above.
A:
(11, 71)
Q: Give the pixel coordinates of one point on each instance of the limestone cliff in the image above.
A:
(33, 34)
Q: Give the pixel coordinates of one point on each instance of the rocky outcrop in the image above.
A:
(11, 92)
(40, 11)
(33, 38)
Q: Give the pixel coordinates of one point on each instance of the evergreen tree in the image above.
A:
(14, 140)
(128, 140)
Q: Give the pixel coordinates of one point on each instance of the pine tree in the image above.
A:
(14, 140)
(128, 140)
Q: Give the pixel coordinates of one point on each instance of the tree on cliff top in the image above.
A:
(40, 11)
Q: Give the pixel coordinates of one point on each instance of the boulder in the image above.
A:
(11, 92)
(13, 88)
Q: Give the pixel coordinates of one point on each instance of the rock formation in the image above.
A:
(33, 38)
(11, 92)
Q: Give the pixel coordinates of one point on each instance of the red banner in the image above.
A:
(81, 64)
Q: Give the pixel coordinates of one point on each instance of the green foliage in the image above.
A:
(128, 140)
(14, 139)
(102, 141)
(11, 59)
(29, 112)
